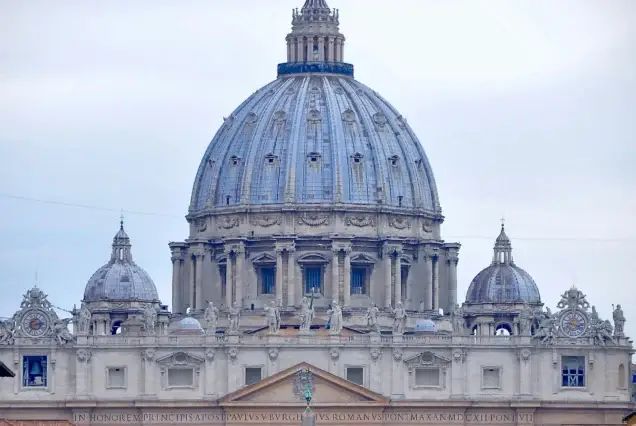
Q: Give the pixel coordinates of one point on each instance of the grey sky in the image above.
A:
(526, 109)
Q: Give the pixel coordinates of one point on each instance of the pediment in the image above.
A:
(313, 257)
(180, 359)
(264, 258)
(362, 258)
(279, 389)
(427, 358)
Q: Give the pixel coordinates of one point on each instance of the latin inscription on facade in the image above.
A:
(322, 417)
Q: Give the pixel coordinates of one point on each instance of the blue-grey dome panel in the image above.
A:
(315, 139)
(120, 281)
(503, 283)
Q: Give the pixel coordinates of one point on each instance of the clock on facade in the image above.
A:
(35, 323)
(573, 323)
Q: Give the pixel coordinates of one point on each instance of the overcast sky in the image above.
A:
(526, 110)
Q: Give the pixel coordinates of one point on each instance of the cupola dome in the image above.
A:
(121, 279)
(503, 281)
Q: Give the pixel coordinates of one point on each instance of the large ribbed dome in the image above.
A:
(315, 135)
(503, 281)
(121, 279)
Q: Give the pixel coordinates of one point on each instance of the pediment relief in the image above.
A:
(180, 359)
(279, 388)
(427, 358)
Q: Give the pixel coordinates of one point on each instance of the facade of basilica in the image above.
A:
(315, 271)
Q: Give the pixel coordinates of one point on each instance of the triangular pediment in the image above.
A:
(279, 389)
(362, 258)
(264, 258)
(427, 358)
(180, 358)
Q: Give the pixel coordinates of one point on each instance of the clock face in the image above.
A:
(35, 323)
(573, 323)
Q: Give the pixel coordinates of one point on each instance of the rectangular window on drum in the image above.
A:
(268, 280)
(358, 280)
(313, 279)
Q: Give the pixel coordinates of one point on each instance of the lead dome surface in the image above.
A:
(315, 139)
(121, 278)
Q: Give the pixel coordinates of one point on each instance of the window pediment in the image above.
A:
(180, 359)
(264, 258)
(312, 258)
(427, 359)
(362, 258)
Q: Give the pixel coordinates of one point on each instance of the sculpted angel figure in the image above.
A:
(372, 318)
(335, 318)
(602, 332)
(272, 316)
(399, 318)
(63, 336)
(234, 318)
(619, 321)
(211, 318)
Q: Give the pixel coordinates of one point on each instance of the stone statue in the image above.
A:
(84, 320)
(372, 318)
(234, 318)
(547, 329)
(60, 328)
(619, 321)
(594, 315)
(306, 314)
(458, 321)
(399, 318)
(211, 318)
(7, 330)
(525, 320)
(150, 320)
(335, 318)
(272, 315)
(602, 332)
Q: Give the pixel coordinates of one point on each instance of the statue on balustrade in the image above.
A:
(234, 318)
(399, 319)
(306, 314)
(526, 318)
(458, 320)
(150, 320)
(372, 318)
(211, 318)
(62, 334)
(335, 318)
(272, 316)
(83, 320)
(619, 321)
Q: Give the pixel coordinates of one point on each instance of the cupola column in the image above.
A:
(193, 267)
(347, 276)
(335, 274)
(428, 297)
(291, 281)
(177, 303)
(398, 276)
(452, 280)
(279, 275)
(229, 285)
(199, 256)
(240, 265)
(330, 50)
(321, 49)
(387, 253)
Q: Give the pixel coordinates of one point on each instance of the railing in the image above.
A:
(309, 340)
